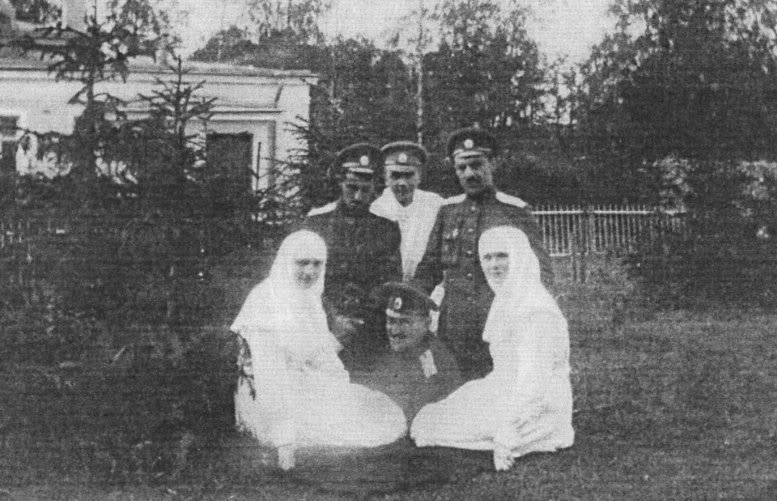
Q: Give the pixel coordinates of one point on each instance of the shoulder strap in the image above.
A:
(511, 200)
(322, 210)
(454, 200)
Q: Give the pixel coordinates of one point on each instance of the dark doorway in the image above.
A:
(229, 161)
(8, 130)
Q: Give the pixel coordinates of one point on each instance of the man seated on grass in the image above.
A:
(417, 369)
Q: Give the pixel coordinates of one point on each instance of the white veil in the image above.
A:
(521, 291)
(278, 305)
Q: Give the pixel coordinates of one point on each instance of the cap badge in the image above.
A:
(402, 158)
(397, 303)
(364, 160)
(469, 144)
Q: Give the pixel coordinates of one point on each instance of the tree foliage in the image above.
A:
(277, 50)
(295, 19)
(150, 24)
(676, 104)
(696, 82)
(363, 94)
(480, 67)
(725, 251)
(281, 34)
(143, 205)
(486, 69)
(36, 11)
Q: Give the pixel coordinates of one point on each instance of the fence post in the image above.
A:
(586, 240)
(574, 246)
(576, 251)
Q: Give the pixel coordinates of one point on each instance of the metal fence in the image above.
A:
(568, 230)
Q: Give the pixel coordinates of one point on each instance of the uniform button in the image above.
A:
(470, 253)
(469, 276)
(473, 208)
(470, 230)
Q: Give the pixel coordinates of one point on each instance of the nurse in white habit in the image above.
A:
(293, 390)
(525, 404)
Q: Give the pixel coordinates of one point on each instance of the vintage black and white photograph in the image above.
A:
(388, 249)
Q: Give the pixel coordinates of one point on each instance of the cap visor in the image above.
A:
(362, 171)
(394, 314)
(470, 153)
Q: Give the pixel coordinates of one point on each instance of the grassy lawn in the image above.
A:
(668, 406)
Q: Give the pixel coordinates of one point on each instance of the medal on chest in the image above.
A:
(427, 364)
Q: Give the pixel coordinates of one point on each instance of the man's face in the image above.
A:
(403, 181)
(406, 331)
(358, 192)
(475, 173)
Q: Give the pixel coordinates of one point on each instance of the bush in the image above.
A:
(726, 250)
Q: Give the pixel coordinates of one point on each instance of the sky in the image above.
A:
(562, 26)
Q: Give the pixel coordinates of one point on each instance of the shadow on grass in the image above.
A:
(397, 467)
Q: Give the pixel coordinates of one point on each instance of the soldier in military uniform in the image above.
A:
(363, 254)
(402, 201)
(418, 368)
(451, 254)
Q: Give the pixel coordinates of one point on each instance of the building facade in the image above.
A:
(252, 126)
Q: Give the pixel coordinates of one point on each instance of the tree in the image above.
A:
(277, 50)
(364, 95)
(688, 79)
(295, 19)
(674, 105)
(98, 54)
(696, 82)
(149, 21)
(486, 70)
(36, 11)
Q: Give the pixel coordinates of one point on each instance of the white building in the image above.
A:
(254, 109)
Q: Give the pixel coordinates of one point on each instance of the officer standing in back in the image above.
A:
(451, 253)
(363, 253)
(402, 201)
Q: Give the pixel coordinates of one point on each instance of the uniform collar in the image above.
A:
(484, 196)
(418, 350)
(342, 208)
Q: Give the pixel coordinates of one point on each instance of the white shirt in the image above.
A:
(415, 223)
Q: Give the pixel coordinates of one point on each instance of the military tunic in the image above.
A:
(421, 375)
(363, 253)
(452, 256)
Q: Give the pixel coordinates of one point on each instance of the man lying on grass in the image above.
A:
(418, 368)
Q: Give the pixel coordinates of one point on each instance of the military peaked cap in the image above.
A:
(403, 153)
(361, 159)
(404, 299)
(471, 141)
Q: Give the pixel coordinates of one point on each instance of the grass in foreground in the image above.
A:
(668, 406)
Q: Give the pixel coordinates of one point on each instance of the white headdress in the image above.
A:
(280, 305)
(521, 290)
